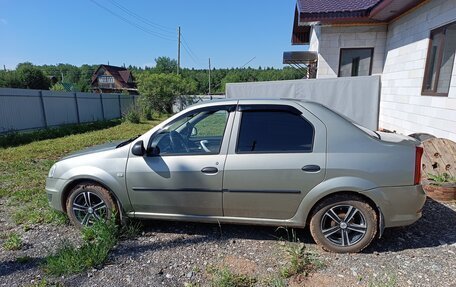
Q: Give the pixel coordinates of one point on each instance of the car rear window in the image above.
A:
(274, 131)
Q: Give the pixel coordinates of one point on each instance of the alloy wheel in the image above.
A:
(343, 225)
(88, 208)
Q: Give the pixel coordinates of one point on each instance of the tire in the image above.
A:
(330, 230)
(88, 202)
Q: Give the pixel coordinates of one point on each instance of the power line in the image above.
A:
(248, 62)
(190, 51)
(142, 19)
(152, 33)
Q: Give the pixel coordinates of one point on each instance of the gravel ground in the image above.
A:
(173, 254)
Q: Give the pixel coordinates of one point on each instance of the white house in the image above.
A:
(410, 43)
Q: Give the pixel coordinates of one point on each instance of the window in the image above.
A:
(355, 62)
(197, 133)
(105, 79)
(440, 60)
(270, 131)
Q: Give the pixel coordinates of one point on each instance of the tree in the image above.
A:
(31, 77)
(165, 65)
(58, 88)
(159, 91)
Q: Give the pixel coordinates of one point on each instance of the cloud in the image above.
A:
(3, 21)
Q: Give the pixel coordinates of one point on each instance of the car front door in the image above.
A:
(277, 155)
(183, 173)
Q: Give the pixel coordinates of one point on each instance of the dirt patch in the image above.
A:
(239, 265)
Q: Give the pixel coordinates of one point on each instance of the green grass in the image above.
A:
(13, 242)
(15, 138)
(439, 179)
(225, 278)
(386, 280)
(23, 169)
(98, 241)
(301, 261)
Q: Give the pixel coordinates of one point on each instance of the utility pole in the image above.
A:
(210, 77)
(178, 48)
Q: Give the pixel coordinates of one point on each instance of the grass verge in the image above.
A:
(19, 138)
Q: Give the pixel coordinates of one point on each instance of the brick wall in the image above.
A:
(402, 106)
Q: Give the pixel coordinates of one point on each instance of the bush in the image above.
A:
(132, 116)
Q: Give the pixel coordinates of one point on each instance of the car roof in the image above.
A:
(235, 101)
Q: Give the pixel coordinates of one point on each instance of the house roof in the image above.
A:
(328, 6)
(351, 11)
(309, 12)
(120, 74)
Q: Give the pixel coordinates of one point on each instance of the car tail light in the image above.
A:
(418, 154)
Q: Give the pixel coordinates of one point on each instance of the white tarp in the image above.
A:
(357, 98)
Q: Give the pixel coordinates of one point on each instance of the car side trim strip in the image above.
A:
(263, 191)
(146, 189)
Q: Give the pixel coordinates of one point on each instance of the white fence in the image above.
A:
(23, 109)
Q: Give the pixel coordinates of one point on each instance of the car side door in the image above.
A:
(277, 154)
(179, 176)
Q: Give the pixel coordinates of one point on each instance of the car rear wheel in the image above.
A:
(89, 202)
(343, 224)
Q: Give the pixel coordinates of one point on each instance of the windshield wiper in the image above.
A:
(127, 141)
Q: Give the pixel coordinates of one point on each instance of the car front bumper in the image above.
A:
(400, 205)
(54, 190)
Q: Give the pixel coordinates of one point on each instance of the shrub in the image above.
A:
(132, 116)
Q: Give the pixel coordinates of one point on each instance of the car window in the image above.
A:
(211, 126)
(274, 131)
(195, 133)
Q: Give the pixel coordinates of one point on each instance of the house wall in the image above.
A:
(328, 41)
(402, 106)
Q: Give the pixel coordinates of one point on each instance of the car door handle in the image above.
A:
(209, 170)
(311, 168)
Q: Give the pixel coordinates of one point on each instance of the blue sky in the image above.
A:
(81, 32)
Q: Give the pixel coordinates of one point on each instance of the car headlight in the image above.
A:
(52, 170)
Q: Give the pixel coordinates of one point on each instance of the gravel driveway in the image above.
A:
(173, 254)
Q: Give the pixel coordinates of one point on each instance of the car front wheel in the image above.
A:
(343, 224)
(89, 202)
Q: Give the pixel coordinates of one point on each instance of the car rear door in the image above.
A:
(277, 154)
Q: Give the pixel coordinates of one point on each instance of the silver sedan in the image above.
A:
(271, 162)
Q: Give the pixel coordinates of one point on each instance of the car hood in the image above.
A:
(94, 149)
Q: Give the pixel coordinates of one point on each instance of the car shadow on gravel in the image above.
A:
(12, 266)
(435, 228)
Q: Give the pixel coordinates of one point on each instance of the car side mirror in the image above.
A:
(153, 151)
(194, 132)
(138, 148)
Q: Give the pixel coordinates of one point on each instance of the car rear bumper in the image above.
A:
(54, 187)
(400, 205)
